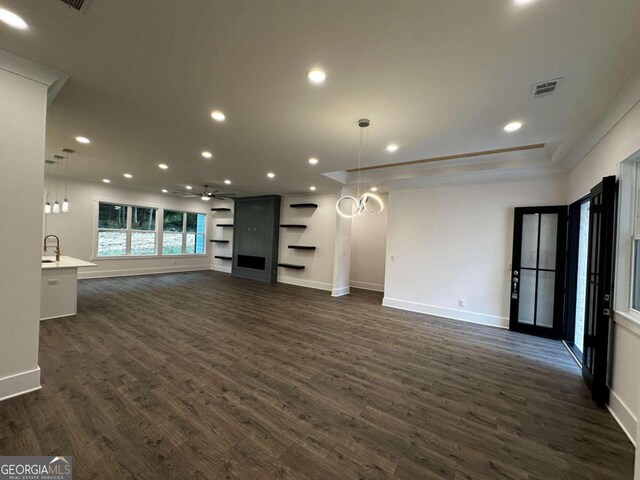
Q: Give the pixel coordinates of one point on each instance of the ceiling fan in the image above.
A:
(206, 194)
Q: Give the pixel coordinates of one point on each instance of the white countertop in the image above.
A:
(66, 262)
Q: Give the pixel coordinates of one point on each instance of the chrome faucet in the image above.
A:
(57, 250)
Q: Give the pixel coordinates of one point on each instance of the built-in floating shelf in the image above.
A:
(291, 265)
(219, 241)
(292, 225)
(222, 257)
(302, 247)
(304, 205)
(220, 209)
(224, 224)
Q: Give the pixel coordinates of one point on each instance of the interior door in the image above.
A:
(538, 270)
(599, 298)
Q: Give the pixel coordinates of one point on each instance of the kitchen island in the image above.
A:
(59, 294)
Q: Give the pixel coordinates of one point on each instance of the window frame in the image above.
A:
(635, 237)
(184, 234)
(625, 246)
(159, 222)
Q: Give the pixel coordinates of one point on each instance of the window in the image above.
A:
(183, 233)
(126, 230)
(112, 229)
(143, 231)
(635, 287)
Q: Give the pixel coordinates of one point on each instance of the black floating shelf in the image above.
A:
(302, 247)
(304, 205)
(292, 225)
(220, 209)
(224, 224)
(291, 265)
(219, 241)
(222, 257)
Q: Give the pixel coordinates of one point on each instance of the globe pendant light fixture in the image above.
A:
(348, 206)
(47, 203)
(65, 202)
(56, 205)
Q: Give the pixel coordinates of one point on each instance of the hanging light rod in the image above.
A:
(360, 203)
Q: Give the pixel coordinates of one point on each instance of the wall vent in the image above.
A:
(79, 5)
(543, 89)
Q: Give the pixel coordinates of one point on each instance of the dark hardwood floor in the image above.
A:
(202, 376)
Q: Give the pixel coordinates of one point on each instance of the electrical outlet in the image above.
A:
(461, 303)
(393, 258)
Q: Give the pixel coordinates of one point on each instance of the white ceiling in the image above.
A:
(437, 77)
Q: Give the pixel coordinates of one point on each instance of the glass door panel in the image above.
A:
(538, 270)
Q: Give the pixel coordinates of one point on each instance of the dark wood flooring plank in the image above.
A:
(204, 376)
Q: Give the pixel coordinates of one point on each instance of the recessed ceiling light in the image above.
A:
(374, 189)
(316, 76)
(313, 161)
(188, 187)
(218, 116)
(227, 181)
(392, 147)
(312, 188)
(82, 140)
(163, 166)
(271, 174)
(522, 2)
(12, 19)
(164, 190)
(512, 127)
(127, 175)
(106, 180)
(206, 154)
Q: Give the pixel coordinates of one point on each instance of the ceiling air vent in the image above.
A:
(545, 88)
(78, 5)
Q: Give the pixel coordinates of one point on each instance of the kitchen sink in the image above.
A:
(48, 261)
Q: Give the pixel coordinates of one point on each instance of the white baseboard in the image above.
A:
(19, 384)
(451, 313)
(59, 316)
(339, 292)
(301, 282)
(623, 415)
(367, 286)
(86, 274)
(221, 268)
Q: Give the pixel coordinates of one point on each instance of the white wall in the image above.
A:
(611, 141)
(320, 231)
(77, 229)
(22, 133)
(455, 242)
(368, 247)
(615, 138)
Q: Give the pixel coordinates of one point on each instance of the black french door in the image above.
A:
(599, 295)
(538, 270)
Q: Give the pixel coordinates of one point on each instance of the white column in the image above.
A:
(342, 252)
(23, 95)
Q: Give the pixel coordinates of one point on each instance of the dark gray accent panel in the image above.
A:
(256, 236)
